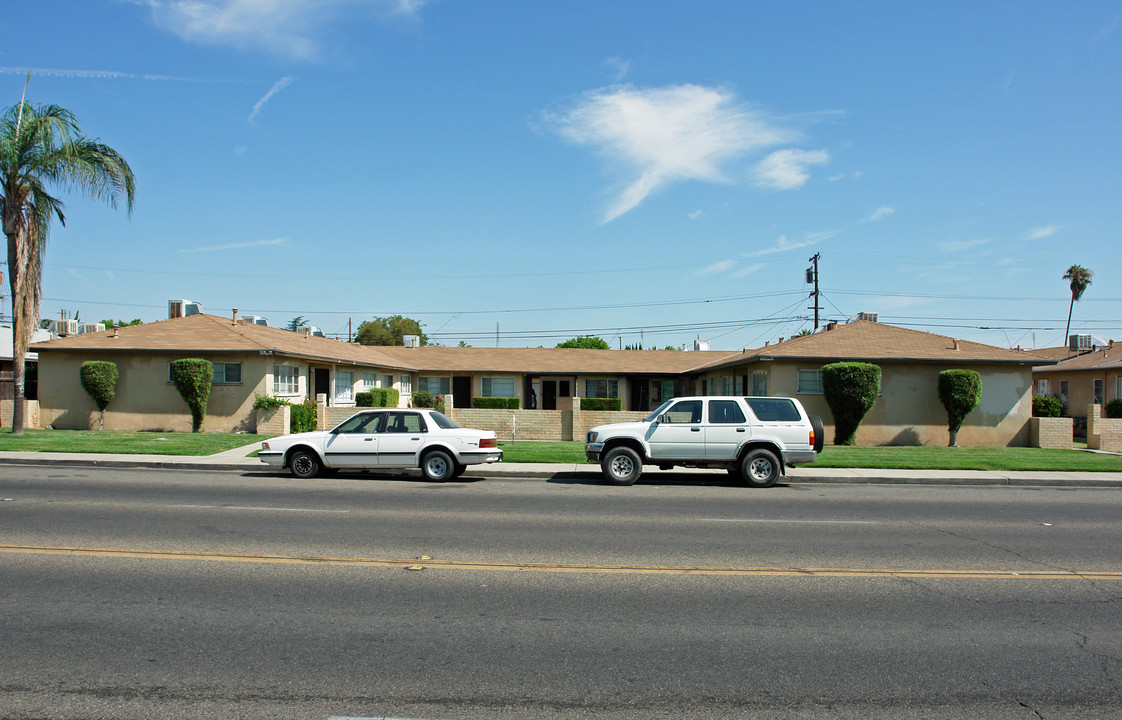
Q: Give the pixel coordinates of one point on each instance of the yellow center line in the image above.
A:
(433, 564)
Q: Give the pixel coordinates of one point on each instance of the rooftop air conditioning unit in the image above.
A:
(183, 308)
(1080, 342)
(701, 345)
(871, 317)
(87, 328)
(411, 340)
(63, 328)
(316, 332)
(257, 320)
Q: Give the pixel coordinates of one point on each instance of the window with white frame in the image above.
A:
(386, 382)
(1042, 387)
(601, 388)
(406, 385)
(1097, 391)
(498, 387)
(286, 380)
(759, 384)
(344, 386)
(369, 380)
(224, 373)
(434, 385)
(810, 382)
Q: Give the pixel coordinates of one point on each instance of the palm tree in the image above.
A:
(1080, 278)
(40, 145)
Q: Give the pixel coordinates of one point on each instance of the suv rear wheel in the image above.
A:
(759, 468)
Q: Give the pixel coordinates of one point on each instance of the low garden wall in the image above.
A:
(1103, 433)
(30, 413)
(1051, 432)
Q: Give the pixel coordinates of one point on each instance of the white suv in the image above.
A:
(756, 438)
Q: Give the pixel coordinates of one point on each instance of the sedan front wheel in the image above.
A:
(304, 464)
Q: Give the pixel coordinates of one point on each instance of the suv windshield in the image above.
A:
(658, 411)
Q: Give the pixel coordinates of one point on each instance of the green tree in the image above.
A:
(1080, 278)
(99, 380)
(121, 323)
(296, 323)
(851, 390)
(192, 378)
(960, 392)
(388, 331)
(588, 343)
(41, 145)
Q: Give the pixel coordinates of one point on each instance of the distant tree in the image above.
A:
(388, 331)
(296, 323)
(851, 390)
(121, 323)
(960, 392)
(1080, 278)
(192, 378)
(588, 343)
(464, 344)
(42, 145)
(99, 380)
(804, 331)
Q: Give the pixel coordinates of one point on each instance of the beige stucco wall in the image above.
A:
(1081, 387)
(908, 412)
(145, 400)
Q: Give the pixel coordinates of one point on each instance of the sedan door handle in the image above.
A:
(367, 439)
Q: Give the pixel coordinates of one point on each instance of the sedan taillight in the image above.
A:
(488, 443)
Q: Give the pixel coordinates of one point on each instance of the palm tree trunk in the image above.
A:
(1067, 330)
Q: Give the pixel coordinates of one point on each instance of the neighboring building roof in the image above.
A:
(7, 337)
(553, 361)
(868, 341)
(204, 334)
(1108, 358)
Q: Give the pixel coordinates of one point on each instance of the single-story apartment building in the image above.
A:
(1080, 379)
(251, 359)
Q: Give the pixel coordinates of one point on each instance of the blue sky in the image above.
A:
(650, 172)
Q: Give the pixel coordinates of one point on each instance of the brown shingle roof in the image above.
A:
(1107, 358)
(567, 361)
(874, 342)
(210, 334)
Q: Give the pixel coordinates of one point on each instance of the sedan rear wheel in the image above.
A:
(438, 466)
(304, 464)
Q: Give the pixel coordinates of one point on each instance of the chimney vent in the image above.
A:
(235, 320)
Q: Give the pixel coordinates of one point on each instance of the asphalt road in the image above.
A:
(155, 594)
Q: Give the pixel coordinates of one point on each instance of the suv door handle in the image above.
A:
(741, 430)
(695, 429)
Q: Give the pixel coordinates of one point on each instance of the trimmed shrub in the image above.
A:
(192, 378)
(422, 399)
(1114, 408)
(601, 404)
(267, 402)
(960, 392)
(302, 417)
(99, 380)
(494, 403)
(851, 390)
(1046, 406)
(378, 397)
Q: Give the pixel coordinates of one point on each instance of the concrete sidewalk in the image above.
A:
(236, 460)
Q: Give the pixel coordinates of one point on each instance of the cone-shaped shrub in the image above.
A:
(99, 380)
(851, 390)
(960, 391)
(192, 378)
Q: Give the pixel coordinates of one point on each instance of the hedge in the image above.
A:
(1046, 406)
(601, 404)
(378, 397)
(302, 418)
(495, 403)
(1114, 408)
(192, 377)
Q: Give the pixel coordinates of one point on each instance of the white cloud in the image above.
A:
(282, 27)
(618, 67)
(237, 246)
(787, 169)
(958, 245)
(717, 267)
(782, 244)
(276, 88)
(661, 135)
(695, 214)
(748, 269)
(1042, 232)
(879, 214)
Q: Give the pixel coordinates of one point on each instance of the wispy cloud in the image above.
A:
(618, 67)
(1042, 232)
(879, 214)
(783, 244)
(276, 88)
(787, 169)
(661, 135)
(716, 268)
(695, 214)
(237, 246)
(102, 75)
(959, 245)
(289, 28)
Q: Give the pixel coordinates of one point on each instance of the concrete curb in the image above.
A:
(591, 473)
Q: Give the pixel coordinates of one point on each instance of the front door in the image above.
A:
(549, 394)
(322, 383)
(461, 392)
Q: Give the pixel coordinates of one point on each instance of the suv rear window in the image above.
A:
(774, 409)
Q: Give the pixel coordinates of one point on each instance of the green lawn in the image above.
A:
(130, 443)
(904, 458)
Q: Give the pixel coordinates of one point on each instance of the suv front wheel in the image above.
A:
(621, 466)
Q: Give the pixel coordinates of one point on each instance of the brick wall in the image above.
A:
(1103, 433)
(1052, 432)
(274, 421)
(30, 413)
(519, 424)
(591, 418)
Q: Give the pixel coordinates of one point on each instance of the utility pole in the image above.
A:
(812, 277)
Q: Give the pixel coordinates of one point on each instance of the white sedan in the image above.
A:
(385, 438)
